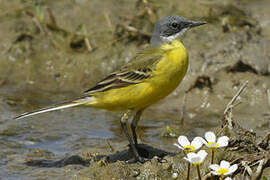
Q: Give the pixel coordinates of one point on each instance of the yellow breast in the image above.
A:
(171, 69)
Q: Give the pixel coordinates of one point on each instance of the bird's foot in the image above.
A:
(139, 159)
(140, 154)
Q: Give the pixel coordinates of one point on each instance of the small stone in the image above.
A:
(166, 166)
(136, 173)
(175, 175)
(101, 163)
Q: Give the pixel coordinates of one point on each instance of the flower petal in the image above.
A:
(196, 160)
(210, 136)
(197, 143)
(224, 164)
(223, 141)
(228, 178)
(202, 140)
(180, 147)
(189, 160)
(214, 167)
(202, 154)
(183, 141)
(191, 155)
(232, 169)
(215, 172)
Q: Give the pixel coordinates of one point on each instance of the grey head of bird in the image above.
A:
(171, 27)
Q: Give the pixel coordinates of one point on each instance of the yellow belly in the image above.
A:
(167, 75)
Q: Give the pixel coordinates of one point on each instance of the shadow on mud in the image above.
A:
(144, 150)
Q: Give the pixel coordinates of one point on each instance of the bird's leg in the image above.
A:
(134, 124)
(123, 122)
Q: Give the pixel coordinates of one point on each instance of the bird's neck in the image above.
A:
(173, 45)
(155, 41)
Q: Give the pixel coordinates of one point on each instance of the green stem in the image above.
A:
(198, 171)
(212, 162)
(188, 171)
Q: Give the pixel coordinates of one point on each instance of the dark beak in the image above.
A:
(196, 23)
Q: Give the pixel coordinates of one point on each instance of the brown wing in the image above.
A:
(120, 79)
(138, 70)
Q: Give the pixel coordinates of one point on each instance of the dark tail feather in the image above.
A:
(63, 105)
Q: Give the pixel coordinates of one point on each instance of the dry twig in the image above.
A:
(268, 93)
(257, 175)
(183, 108)
(231, 104)
(110, 146)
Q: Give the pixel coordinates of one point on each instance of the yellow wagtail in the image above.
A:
(149, 77)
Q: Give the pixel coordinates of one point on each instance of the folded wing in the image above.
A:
(139, 69)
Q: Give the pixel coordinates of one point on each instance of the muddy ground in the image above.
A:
(53, 50)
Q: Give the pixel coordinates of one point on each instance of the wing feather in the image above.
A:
(137, 70)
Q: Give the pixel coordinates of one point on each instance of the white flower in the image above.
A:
(223, 169)
(211, 140)
(196, 158)
(228, 178)
(185, 145)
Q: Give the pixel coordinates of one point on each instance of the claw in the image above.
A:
(143, 159)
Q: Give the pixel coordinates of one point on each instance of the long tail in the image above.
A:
(63, 105)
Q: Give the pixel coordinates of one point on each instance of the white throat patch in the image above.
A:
(169, 39)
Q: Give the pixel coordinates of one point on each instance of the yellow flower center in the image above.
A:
(212, 145)
(189, 148)
(196, 164)
(222, 171)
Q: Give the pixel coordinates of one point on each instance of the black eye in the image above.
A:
(174, 24)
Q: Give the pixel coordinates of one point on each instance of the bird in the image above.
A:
(151, 75)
